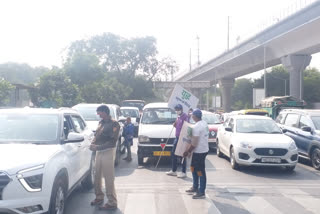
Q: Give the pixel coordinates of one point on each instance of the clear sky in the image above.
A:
(37, 31)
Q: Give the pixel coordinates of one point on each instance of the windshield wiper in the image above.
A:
(257, 132)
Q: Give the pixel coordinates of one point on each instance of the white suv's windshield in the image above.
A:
(158, 116)
(89, 113)
(130, 113)
(28, 128)
(257, 126)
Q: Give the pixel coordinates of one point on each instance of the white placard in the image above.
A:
(184, 139)
(183, 97)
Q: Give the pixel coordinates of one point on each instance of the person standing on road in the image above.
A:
(199, 147)
(104, 144)
(178, 125)
(128, 132)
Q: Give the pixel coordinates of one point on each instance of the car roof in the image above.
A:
(250, 117)
(129, 107)
(156, 105)
(142, 101)
(95, 105)
(39, 110)
(311, 112)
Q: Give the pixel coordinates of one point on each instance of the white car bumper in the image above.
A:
(16, 199)
(262, 157)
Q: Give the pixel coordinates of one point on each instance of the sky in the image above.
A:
(38, 32)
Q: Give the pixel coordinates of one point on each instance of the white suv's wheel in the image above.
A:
(233, 162)
(58, 197)
(219, 153)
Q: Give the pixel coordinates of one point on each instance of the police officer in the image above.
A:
(104, 143)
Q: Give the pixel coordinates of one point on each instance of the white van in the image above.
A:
(155, 130)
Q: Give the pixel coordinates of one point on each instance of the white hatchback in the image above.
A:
(255, 140)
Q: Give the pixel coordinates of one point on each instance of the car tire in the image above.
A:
(140, 160)
(218, 151)
(315, 158)
(88, 182)
(233, 162)
(290, 168)
(58, 196)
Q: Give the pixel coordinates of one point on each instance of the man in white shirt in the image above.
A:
(200, 149)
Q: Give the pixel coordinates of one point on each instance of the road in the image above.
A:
(250, 190)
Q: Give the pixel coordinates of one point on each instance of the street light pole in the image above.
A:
(265, 72)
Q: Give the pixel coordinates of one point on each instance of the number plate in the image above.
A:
(271, 160)
(164, 153)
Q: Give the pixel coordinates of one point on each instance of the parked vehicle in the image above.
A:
(303, 126)
(89, 113)
(275, 104)
(134, 103)
(255, 140)
(155, 131)
(44, 155)
(213, 121)
(134, 113)
(262, 112)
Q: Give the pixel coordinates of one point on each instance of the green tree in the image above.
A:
(5, 89)
(21, 73)
(55, 89)
(277, 81)
(130, 57)
(311, 85)
(83, 69)
(242, 94)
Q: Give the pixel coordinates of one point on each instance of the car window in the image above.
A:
(27, 128)
(231, 124)
(304, 121)
(130, 112)
(280, 118)
(67, 126)
(89, 113)
(291, 120)
(316, 122)
(257, 126)
(225, 124)
(158, 116)
(211, 118)
(78, 123)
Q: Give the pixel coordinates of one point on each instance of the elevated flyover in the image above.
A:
(290, 42)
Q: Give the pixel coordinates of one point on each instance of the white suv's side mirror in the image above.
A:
(74, 137)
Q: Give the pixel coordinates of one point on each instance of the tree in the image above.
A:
(55, 89)
(311, 85)
(5, 89)
(21, 73)
(242, 94)
(129, 57)
(83, 69)
(277, 81)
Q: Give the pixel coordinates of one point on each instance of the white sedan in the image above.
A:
(255, 140)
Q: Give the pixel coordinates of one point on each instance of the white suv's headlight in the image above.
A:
(143, 139)
(245, 145)
(31, 178)
(292, 146)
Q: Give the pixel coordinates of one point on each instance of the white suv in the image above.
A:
(44, 154)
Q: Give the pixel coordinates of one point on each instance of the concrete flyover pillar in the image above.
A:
(226, 86)
(295, 65)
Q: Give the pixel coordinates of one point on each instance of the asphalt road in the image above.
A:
(251, 190)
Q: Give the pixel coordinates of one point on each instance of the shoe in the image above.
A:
(108, 207)
(125, 158)
(199, 195)
(96, 202)
(129, 159)
(172, 173)
(191, 190)
(182, 175)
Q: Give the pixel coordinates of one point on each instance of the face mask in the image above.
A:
(178, 112)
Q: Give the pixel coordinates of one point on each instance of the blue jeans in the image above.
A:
(174, 158)
(198, 170)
